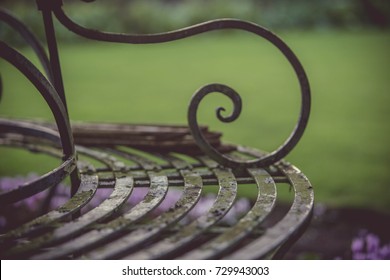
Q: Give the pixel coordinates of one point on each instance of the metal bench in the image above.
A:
(159, 159)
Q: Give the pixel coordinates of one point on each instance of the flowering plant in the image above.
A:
(367, 246)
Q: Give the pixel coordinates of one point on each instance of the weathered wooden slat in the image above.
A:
(232, 236)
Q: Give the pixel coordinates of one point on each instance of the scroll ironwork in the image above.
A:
(220, 24)
(55, 6)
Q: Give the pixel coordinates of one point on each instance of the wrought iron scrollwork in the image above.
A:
(51, 96)
(48, 92)
(95, 233)
(220, 24)
(55, 6)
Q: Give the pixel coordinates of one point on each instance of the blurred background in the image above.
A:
(343, 45)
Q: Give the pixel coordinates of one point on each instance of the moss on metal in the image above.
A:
(76, 201)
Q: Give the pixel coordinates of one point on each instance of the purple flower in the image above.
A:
(170, 199)
(357, 244)
(372, 242)
(367, 246)
(384, 252)
(241, 206)
(359, 256)
(319, 209)
(30, 207)
(8, 183)
(203, 205)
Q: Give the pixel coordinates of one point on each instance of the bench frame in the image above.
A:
(100, 233)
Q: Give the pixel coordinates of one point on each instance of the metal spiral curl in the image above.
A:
(192, 114)
(221, 24)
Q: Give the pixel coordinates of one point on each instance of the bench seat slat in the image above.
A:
(185, 235)
(121, 246)
(289, 225)
(263, 206)
(107, 232)
(121, 192)
(91, 239)
(86, 191)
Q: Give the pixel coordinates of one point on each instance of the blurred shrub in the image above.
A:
(147, 16)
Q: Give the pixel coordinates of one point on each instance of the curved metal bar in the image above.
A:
(53, 51)
(30, 39)
(89, 239)
(122, 190)
(266, 160)
(46, 90)
(263, 161)
(88, 186)
(290, 225)
(265, 202)
(165, 36)
(51, 97)
(45, 181)
(187, 234)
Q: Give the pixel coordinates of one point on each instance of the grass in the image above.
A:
(345, 150)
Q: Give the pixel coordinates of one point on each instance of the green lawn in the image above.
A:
(345, 151)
